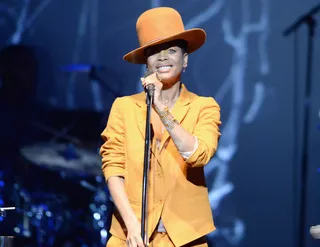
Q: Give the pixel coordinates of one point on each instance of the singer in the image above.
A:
(185, 136)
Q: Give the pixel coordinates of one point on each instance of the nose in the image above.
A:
(163, 55)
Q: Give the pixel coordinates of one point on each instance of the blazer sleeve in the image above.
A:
(112, 150)
(207, 131)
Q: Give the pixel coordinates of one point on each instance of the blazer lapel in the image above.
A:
(141, 113)
(179, 111)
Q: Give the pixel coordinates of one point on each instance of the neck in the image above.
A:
(171, 94)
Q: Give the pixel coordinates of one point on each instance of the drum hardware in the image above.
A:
(44, 217)
(22, 199)
(88, 186)
(42, 214)
(3, 211)
(57, 134)
(100, 207)
(6, 241)
(46, 222)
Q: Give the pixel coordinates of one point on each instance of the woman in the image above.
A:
(186, 132)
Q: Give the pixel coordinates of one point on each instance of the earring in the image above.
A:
(184, 69)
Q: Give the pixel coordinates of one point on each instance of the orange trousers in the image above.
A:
(158, 239)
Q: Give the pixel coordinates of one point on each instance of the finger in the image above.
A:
(146, 85)
(133, 242)
(158, 76)
(139, 241)
(152, 81)
(142, 80)
(152, 77)
(149, 83)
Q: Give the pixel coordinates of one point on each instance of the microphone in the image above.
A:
(150, 88)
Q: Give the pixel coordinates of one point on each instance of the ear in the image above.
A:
(185, 60)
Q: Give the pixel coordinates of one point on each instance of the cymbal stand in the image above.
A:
(3, 211)
(6, 241)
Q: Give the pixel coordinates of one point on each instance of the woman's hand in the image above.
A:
(156, 81)
(134, 234)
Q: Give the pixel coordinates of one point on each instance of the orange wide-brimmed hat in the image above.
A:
(161, 25)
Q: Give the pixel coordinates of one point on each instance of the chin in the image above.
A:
(169, 78)
(169, 83)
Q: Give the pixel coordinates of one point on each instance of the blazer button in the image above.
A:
(158, 174)
(160, 201)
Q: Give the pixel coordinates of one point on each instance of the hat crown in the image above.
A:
(158, 23)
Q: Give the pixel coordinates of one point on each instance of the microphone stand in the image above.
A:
(146, 168)
(308, 19)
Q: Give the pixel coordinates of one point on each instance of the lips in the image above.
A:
(163, 68)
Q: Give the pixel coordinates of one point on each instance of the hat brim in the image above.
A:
(195, 37)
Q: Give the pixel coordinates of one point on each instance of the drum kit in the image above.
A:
(75, 199)
(59, 198)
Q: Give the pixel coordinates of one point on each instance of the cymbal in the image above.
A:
(64, 158)
(315, 232)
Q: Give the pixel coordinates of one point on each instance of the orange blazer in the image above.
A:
(177, 191)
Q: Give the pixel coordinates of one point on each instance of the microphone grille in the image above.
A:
(147, 73)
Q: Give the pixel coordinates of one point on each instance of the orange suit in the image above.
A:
(177, 190)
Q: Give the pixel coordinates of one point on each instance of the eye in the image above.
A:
(149, 52)
(171, 50)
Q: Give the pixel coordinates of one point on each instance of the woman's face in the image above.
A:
(168, 61)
